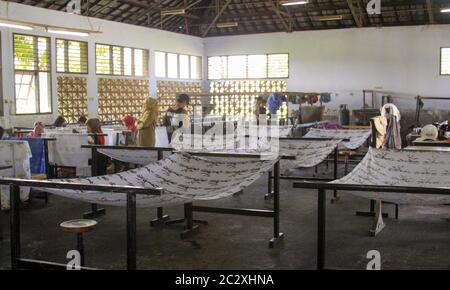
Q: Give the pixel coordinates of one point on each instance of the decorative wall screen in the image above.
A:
(242, 103)
(168, 90)
(118, 97)
(72, 98)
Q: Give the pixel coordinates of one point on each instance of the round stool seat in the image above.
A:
(78, 226)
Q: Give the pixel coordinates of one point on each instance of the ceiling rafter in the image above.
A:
(430, 12)
(356, 15)
(278, 12)
(213, 23)
(254, 16)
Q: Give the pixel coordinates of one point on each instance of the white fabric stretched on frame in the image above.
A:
(16, 154)
(357, 136)
(308, 153)
(184, 178)
(402, 168)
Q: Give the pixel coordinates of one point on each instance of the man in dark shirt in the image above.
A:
(177, 116)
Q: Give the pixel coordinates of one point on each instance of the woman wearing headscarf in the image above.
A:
(146, 124)
(129, 122)
(38, 130)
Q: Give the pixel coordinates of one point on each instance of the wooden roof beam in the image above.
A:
(287, 25)
(213, 23)
(430, 12)
(356, 16)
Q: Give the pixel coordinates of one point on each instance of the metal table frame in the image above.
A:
(18, 262)
(321, 205)
(189, 208)
(334, 158)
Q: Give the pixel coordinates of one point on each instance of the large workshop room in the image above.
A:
(210, 136)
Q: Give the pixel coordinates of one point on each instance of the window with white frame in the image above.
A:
(71, 56)
(445, 61)
(121, 61)
(259, 66)
(178, 66)
(32, 74)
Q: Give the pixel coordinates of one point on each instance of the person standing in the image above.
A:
(177, 116)
(260, 109)
(146, 124)
(274, 102)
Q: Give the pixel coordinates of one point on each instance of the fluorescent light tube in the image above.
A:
(292, 3)
(227, 24)
(327, 18)
(18, 26)
(68, 32)
(445, 10)
(173, 12)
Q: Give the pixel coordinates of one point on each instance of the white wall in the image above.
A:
(402, 60)
(112, 33)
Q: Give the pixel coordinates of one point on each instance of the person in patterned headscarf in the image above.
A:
(146, 124)
(129, 122)
(38, 130)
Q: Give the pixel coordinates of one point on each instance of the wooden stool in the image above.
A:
(79, 227)
(347, 154)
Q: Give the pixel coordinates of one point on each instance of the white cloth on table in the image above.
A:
(285, 131)
(308, 153)
(357, 137)
(402, 168)
(184, 178)
(393, 110)
(16, 154)
(114, 136)
(67, 151)
(138, 157)
(162, 139)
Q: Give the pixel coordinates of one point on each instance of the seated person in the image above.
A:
(177, 116)
(38, 130)
(130, 123)
(60, 122)
(82, 121)
(94, 127)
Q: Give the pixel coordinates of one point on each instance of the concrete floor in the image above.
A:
(419, 240)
